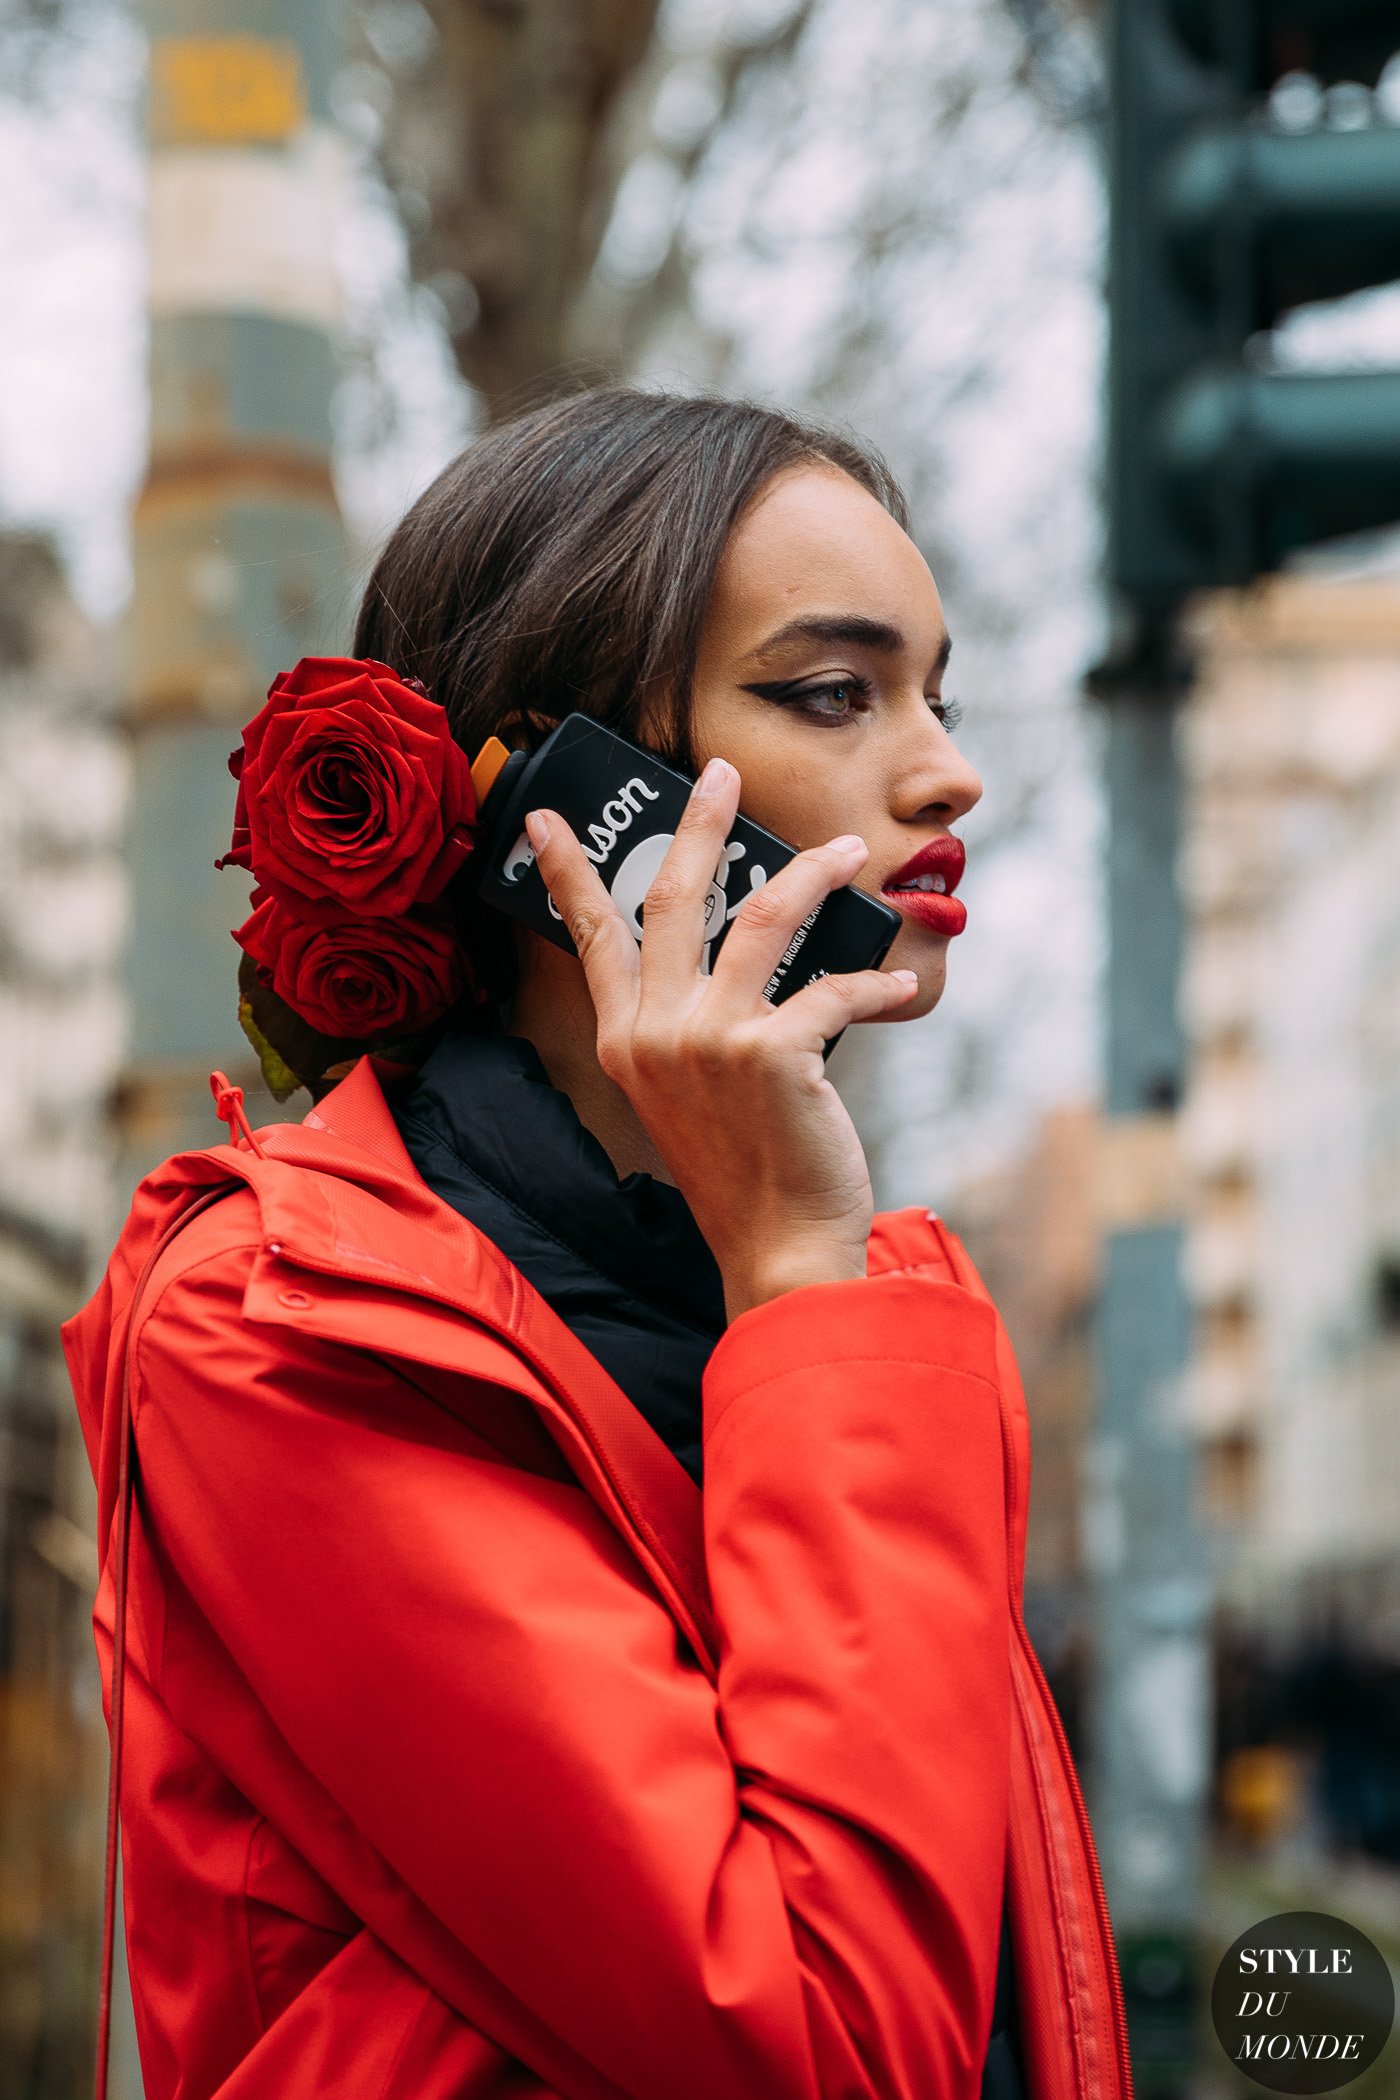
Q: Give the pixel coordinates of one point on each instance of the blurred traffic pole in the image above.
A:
(1228, 208)
(1151, 1710)
(241, 562)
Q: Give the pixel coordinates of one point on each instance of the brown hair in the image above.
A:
(565, 562)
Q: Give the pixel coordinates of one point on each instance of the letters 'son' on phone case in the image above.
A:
(623, 805)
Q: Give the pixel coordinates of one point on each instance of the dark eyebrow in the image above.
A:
(854, 628)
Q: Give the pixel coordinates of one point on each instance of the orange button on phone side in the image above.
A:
(486, 765)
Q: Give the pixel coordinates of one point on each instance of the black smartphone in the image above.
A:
(623, 805)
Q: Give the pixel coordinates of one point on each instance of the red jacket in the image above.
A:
(469, 1751)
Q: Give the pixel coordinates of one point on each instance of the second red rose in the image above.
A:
(358, 978)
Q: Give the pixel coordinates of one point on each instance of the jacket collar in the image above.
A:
(357, 1111)
(351, 1143)
(335, 1217)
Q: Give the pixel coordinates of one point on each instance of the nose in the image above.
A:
(935, 779)
(965, 791)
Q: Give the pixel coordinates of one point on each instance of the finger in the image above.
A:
(828, 1004)
(766, 921)
(601, 936)
(677, 906)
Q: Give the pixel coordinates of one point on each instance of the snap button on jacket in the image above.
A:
(470, 1752)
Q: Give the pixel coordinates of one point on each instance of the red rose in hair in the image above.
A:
(352, 795)
(359, 977)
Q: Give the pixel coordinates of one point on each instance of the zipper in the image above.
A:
(1091, 1859)
(1108, 1952)
(963, 1272)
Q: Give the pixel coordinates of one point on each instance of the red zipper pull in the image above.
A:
(228, 1107)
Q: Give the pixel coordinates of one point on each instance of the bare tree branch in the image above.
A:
(496, 151)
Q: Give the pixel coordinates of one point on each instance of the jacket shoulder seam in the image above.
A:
(196, 1262)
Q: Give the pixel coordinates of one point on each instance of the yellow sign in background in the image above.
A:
(226, 91)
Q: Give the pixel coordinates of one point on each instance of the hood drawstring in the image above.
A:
(228, 1107)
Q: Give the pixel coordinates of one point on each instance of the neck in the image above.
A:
(553, 1010)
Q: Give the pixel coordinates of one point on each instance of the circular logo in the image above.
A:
(635, 876)
(1303, 2003)
(520, 857)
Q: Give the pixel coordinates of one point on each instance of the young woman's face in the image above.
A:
(820, 677)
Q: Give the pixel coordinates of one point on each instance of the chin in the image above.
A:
(930, 966)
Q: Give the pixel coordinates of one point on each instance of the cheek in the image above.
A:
(788, 782)
(803, 812)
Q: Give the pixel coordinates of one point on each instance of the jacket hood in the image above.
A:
(361, 1180)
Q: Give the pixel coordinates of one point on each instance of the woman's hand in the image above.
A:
(731, 1090)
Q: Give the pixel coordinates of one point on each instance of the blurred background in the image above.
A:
(1114, 288)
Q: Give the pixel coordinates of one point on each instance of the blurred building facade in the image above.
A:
(61, 793)
(1033, 1228)
(1291, 1135)
(1286, 1156)
(1292, 1127)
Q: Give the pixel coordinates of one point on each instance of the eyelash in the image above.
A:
(949, 712)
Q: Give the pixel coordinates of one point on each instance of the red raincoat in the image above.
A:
(469, 1751)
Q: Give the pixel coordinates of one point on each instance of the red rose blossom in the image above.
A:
(353, 797)
(357, 978)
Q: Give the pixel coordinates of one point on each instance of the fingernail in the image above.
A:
(537, 828)
(905, 976)
(714, 777)
(849, 842)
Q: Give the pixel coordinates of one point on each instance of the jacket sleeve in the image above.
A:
(785, 1887)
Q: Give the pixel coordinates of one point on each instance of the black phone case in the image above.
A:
(624, 804)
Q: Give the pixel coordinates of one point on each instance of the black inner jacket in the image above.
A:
(622, 1262)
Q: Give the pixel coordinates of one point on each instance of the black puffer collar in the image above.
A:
(622, 1262)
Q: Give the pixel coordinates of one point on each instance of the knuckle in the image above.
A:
(750, 1046)
(763, 909)
(707, 1049)
(665, 894)
(587, 927)
(613, 1053)
(651, 1048)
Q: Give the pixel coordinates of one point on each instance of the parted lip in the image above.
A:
(943, 856)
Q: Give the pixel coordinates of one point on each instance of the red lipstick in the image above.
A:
(935, 871)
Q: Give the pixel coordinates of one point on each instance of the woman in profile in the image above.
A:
(571, 1606)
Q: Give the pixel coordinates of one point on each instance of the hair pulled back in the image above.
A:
(565, 562)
